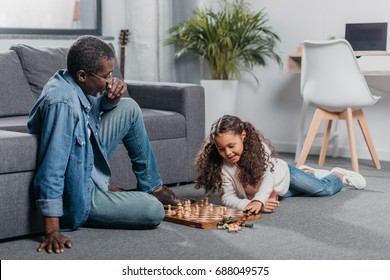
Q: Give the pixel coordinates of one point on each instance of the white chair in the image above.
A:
(331, 80)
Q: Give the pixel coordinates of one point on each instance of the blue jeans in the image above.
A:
(306, 184)
(128, 209)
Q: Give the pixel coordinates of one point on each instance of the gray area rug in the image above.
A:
(351, 225)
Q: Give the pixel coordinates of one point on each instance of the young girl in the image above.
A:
(239, 163)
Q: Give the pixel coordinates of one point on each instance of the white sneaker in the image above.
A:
(351, 178)
(318, 173)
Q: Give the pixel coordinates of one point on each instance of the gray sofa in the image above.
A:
(173, 115)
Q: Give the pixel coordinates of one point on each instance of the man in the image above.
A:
(81, 119)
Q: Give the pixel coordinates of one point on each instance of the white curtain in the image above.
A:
(146, 58)
(185, 69)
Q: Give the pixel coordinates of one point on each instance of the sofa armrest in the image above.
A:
(186, 99)
(18, 152)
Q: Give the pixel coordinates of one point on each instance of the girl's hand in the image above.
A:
(253, 207)
(271, 204)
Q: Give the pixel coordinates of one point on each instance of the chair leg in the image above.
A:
(301, 132)
(325, 142)
(351, 135)
(359, 115)
(318, 116)
(336, 140)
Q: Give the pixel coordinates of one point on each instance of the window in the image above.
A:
(49, 17)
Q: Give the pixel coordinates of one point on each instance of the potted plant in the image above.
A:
(234, 39)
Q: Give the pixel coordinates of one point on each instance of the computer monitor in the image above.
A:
(367, 36)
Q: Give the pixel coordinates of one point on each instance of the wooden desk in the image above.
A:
(294, 62)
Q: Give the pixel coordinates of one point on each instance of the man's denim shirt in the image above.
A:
(63, 180)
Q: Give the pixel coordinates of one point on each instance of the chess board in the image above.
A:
(209, 216)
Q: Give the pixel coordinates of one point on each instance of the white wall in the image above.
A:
(274, 107)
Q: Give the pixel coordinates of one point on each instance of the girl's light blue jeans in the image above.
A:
(306, 184)
(128, 209)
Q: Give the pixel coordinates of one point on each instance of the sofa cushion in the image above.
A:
(40, 63)
(162, 125)
(16, 123)
(16, 96)
(18, 152)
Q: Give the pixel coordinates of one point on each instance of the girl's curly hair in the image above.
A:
(252, 165)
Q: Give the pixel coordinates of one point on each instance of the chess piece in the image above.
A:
(220, 225)
(196, 212)
(180, 213)
(169, 211)
(179, 206)
(247, 225)
(236, 227)
(187, 206)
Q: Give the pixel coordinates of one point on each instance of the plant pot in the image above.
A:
(220, 99)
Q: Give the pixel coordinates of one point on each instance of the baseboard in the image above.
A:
(363, 153)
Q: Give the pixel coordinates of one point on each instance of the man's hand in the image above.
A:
(115, 90)
(54, 240)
